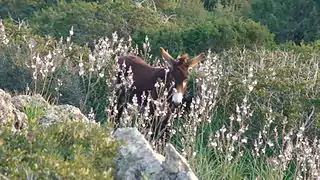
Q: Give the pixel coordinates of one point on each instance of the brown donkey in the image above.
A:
(146, 76)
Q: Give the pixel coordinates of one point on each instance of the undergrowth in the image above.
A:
(65, 150)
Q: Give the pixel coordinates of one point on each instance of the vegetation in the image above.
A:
(255, 107)
(63, 150)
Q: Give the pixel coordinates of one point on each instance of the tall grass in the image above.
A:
(253, 114)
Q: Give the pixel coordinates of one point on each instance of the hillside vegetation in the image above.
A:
(255, 109)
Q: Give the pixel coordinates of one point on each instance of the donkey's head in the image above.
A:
(179, 71)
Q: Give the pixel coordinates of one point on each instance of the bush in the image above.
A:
(93, 20)
(71, 150)
(217, 34)
(289, 20)
(21, 9)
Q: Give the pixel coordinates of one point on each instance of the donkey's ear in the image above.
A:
(167, 57)
(195, 61)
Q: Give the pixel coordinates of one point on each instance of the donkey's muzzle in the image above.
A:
(177, 98)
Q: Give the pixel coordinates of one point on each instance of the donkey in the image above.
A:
(145, 77)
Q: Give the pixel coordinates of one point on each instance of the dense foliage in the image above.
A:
(71, 150)
(173, 25)
(290, 20)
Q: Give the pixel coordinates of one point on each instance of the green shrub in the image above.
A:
(289, 20)
(21, 8)
(93, 20)
(218, 34)
(64, 150)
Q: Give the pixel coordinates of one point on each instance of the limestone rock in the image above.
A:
(6, 108)
(23, 101)
(136, 156)
(175, 163)
(8, 112)
(138, 160)
(62, 113)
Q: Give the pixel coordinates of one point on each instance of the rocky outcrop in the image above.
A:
(137, 160)
(62, 113)
(12, 108)
(9, 114)
(6, 108)
(21, 102)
